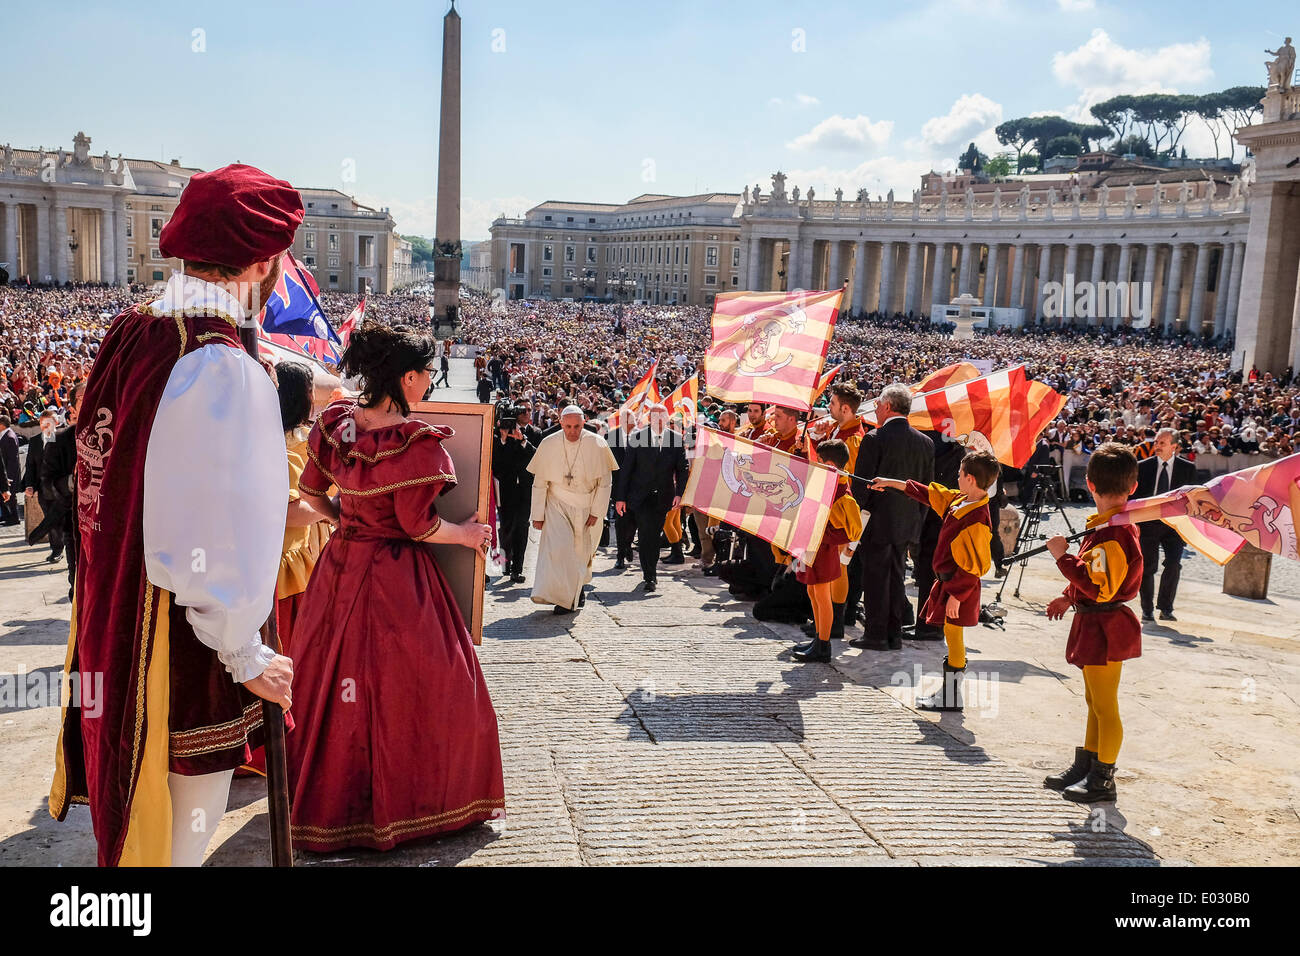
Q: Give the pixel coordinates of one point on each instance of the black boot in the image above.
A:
(1074, 773)
(810, 628)
(676, 557)
(820, 652)
(837, 622)
(949, 696)
(620, 564)
(1097, 787)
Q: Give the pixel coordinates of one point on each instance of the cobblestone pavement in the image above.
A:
(674, 728)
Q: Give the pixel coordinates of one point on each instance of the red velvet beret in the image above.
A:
(233, 216)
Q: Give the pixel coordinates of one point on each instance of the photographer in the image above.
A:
(511, 453)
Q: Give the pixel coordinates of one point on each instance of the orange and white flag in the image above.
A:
(824, 382)
(644, 393)
(770, 346)
(685, 400)
(772, 494)
(352, 322)
(1002, 412)
(948, 375)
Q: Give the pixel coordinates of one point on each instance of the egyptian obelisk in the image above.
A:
(446, 261)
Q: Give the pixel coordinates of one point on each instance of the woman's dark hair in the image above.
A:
(380, 355)
(295, 394)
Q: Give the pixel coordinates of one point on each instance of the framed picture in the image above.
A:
(471, 455)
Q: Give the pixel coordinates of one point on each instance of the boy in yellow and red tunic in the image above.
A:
(1104, 576)
(961, 558)
(826, 576)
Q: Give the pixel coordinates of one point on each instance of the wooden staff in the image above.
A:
(277, 770)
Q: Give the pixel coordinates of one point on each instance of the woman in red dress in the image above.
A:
(396, 737)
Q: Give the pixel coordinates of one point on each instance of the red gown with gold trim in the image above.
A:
(396, 736)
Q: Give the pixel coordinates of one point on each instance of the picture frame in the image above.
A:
(470, 449)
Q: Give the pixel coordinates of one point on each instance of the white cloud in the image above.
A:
(418, 217)
(837, 132)
(970, 116)
(1077, 6)
(800, 99)
(1101, 68)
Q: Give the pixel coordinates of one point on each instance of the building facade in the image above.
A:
(74, 217)
(663, 250)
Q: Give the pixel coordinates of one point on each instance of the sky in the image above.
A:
(602, 101)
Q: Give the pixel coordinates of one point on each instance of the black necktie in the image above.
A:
(1162, 484)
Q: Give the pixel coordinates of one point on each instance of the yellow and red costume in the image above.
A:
(961, 556)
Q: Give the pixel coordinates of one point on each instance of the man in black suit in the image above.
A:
(1163, 471)
(58, 481)
(649, 483)
(893, 450)
(624, 523)
(33, 487)
(511, 453)
(11, 472)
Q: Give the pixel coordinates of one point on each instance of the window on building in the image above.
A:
(155, 228)
(130, 252)
(309, 240)
(591, 219)
(686, 255)
(157, 275)
(334, 242)
(334, 279)
(735, 258)
(516, 258)
(367, 252)
(568, 219)
(154, 253)
(334, 262)
(735, 280)
(547, 271)
(710, 280)
(129, 230)
(309, 261)
(548, 253)
(710, 257)
(568, 290)
(570, 253)
(591, 254)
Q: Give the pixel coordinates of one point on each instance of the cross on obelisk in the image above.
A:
(447, 252)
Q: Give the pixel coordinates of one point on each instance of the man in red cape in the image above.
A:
(182, 491)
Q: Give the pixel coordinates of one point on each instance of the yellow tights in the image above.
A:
(956, 644)
(1105, 733)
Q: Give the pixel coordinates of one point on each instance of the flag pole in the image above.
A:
(277, 771)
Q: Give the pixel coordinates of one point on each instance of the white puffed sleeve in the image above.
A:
(216, 479)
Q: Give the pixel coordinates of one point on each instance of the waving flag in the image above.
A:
(948, 375)
(1002, 412)
(1256, 506)
(685, 400)
(292, 309)
(772, 494)
(352, 322)
(824, 382)
(644, 392)
(770, 346)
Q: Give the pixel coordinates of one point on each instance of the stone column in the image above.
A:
(991, 276)
(1011, 282)
(913, 278)
(1149, 256)
(62, 254)
(1125, 268)
(1234, 284)
(446, 283)
(887, 278)
(1044, 276)
(860, 276)
(834, 278)
(1069, 277)
(939, 279)
(1200, 276)
(119, 239)
(806, 251)
(1174, 292)
(107, 245)
(10, 249)
(1096, 273)
(1221, 287)
(792, 266)
(751, 265)
(43, 265)
(963, 267)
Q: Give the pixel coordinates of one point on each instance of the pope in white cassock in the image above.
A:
(572, 476)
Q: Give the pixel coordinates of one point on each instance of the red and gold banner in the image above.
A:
(644, 393)
(824, 382)
(770, 346)
(948, 375)
(685, 400)
(771, 494)
(1002, 412)
(1255, 505)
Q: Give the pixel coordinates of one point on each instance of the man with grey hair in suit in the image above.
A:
(892, 450)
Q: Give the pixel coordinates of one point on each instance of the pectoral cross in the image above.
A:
(568, 479)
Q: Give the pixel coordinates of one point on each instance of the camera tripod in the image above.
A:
(1043, 498)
